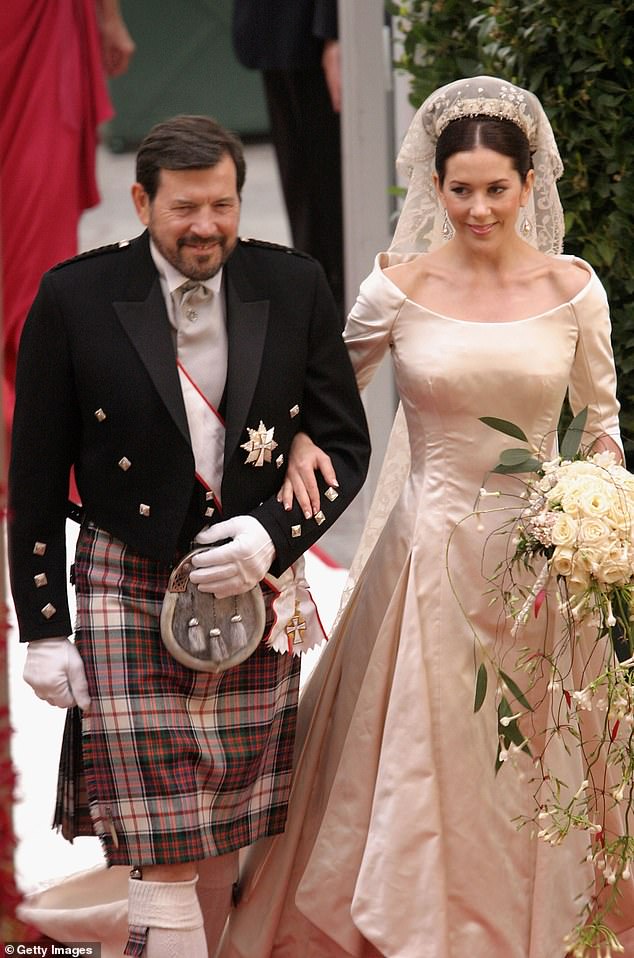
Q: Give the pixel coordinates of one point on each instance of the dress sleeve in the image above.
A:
(368, 332)
(593, 376)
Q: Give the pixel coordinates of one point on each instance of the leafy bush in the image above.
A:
(578, 58)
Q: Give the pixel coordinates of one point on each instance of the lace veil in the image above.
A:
(419, 227)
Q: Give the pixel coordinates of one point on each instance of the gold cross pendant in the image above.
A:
(295, 627)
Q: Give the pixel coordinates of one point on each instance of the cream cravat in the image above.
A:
(201, 343)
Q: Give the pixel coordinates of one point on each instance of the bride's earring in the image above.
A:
(447, 228)
(526, 227)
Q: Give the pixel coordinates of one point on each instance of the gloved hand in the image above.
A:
(237, 566)
(55, 672)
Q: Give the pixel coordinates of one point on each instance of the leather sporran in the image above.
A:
(207, 633)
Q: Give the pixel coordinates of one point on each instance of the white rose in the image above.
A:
(579, 577)
(564, 530)
(585, 558)
(614, 566)
(620, 518)
(581, 467)
(571, 500)
(604, 459)
(561, 561)
(595, 500)
(593, 531)
(613, 574)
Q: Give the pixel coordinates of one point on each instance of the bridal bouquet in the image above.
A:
(571, 542)
(579, 518)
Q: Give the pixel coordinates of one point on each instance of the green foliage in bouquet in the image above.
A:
(579, 59)
(570, 536)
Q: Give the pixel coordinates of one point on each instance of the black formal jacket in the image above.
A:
(282, 34)
(97, 387)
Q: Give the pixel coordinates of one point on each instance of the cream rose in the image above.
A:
(620, 519)
(595, 501)
(581, 467)
(562, 561)
(564, 531)
(579, 576)
(571, 501)
(592, 532)
(615, 566)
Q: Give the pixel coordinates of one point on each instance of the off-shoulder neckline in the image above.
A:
(511, 322)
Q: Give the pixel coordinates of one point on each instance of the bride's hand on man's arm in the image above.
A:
(304, 461)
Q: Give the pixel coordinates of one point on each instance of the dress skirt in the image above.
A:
(173, 764)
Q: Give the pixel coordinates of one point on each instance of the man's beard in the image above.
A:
(201, 265)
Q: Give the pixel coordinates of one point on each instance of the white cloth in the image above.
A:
(88, 906)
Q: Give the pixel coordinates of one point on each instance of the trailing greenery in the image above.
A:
(578, 58)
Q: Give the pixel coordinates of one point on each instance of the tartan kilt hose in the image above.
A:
(176, 765)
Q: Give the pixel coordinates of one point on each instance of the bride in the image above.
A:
(400, 840)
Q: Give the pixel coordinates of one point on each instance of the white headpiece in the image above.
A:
(419, 228)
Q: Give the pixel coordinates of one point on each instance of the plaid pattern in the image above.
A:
(179, 765)
(137, 940)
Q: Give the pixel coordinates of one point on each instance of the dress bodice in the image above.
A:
(451, 372)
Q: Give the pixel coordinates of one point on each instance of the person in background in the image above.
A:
(294, 44)
(53, 96)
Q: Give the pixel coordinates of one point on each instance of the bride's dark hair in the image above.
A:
(468, 132)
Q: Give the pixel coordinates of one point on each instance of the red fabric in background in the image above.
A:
(53, 95)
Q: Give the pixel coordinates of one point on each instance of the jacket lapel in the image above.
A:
(144, 318)
(247, 321)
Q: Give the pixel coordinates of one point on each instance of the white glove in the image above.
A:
(237, 566)
(55, 672)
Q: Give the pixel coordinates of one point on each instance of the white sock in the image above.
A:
(171, 913)
(216, 877)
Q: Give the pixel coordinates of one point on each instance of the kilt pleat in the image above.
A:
(72, 814)
(179, 765)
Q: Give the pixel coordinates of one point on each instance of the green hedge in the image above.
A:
(577, 56)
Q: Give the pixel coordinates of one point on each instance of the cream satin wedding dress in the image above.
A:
(400, 841)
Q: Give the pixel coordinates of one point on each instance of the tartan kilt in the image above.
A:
(172, 764)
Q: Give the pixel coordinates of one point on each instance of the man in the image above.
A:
(294, 44)
(176, 404)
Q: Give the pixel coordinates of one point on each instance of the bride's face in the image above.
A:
(482, 193)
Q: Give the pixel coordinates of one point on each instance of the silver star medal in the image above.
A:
(260, 445)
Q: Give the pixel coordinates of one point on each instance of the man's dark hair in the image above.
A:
(186, 143)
